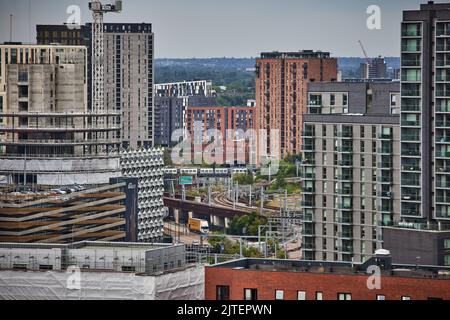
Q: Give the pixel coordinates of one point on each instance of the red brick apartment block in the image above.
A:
(306, 280)
(222, 119)
(281, 93)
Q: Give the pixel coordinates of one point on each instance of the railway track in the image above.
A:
(222, 200)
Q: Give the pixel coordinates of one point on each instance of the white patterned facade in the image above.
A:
(148, 166)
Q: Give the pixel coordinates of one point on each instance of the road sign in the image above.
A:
(186, 181)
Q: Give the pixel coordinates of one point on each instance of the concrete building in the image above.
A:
(106, 212)
(376, 69)
(350, 169)
(184, 89)
(262, 279)
(171, 103)
(128, 74)
(147, 165)
(98, 271)
(281, 95)
(47, 134)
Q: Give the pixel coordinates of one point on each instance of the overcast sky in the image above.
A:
(233, 28)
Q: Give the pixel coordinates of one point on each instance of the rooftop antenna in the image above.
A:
(10, 27)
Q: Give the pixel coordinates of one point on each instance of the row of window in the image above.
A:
(223, 293)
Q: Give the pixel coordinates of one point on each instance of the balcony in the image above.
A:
(443, 184)
(442, 48)
(346, 192)
(344, 206)
(409, 78)
(308, 176)
(385, 179)
(307, 204)
(443, 124)
(411, 32)
(411, 123)
(346, 163)
(385, 150)
(346, 249)
(442, 63)
(347, 220)
(309, 133)
(386, 194)
(345, 149)
(306, 232)
(411, 182)
(308, 190)
(411, 167)
(442, 108)
(411, 152)
(348, 178)
(442, 139)
(442, 78)
(442, 93)
(409, 107)
(308, 246)
(384, 136)
(412, 48)
(308, 218)
(345, 235)
(442, 169)
(411, 93)
(411, 63)
(345, 134)
(411, 137)
(385, 165)
(411, 212)
(411, 197)
(442, 154)
(443, 199)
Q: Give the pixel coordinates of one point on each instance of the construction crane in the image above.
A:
(98, 10)
(369, 62)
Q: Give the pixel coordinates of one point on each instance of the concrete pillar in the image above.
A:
(176, 214)
(227, 223)
(191, 215)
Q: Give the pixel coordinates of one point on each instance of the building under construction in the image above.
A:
(47, 134)
(99, 271)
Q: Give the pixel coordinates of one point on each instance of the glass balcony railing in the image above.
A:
(345, 235)
(345, 134)
(410, 137)
(345, 191)
(411, 48)
(443, 78)
(345, 163)
(443, 154)
(386, 194)
(411, 123)
(410, 107)
(385, 165)
(411, 63)
(308, 175)
(411, 152)
(384, 136)
(344, 149)
(345, 177)
(442, 47)
(408, 78)
(442, 108)
(411, 32)
(442, 63)
(411, 182)
(442, 169)
(345, 220)
(411, 197)
(411, 93)
(309, 133)
(442, 124)
(308, 190)
(443, 184)
(442, 139)
(443, 199)
(385, 179)
(411, 167)
(385, 150)
(442, 93)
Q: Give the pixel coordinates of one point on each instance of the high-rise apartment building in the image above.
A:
(423, 232)
(47, 135)
(350, 169)
(171, 103)
(281, 94)
(128, 74)
(376, 69)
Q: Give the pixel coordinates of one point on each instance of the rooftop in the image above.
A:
(304, 54)
(388, 269)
